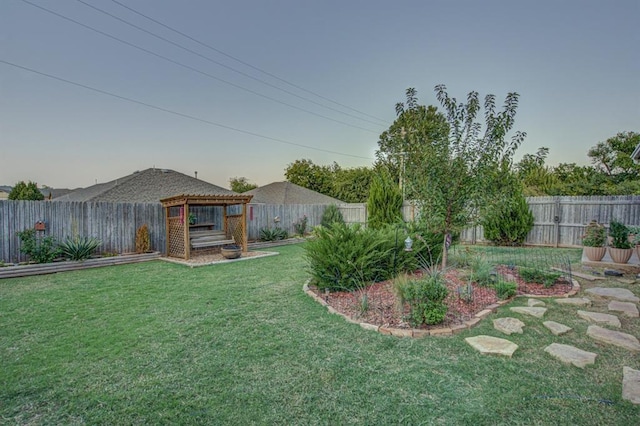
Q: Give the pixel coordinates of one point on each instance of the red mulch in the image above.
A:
(381, 300)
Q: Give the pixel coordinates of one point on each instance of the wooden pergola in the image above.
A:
(177, 221)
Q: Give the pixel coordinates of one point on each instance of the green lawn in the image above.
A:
(240, 343)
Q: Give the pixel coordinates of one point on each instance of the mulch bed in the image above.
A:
(382, 309)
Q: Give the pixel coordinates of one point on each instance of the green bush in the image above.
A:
(425, 297)
(331, 215)
(384, 204)
(39, 249)
(619, 235)
(300, 225)
(533, 275)
(505, 290)
(79, 248)
(275, 234)
(508, 222)
(343, 257)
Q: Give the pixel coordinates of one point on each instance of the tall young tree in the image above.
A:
(455, 176)
(415, 127)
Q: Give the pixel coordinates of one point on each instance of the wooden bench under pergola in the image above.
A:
(183, 237)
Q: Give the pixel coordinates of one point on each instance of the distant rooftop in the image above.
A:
(146, 186)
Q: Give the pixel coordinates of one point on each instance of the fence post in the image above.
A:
(556, 221)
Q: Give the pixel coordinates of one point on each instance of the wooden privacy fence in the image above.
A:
(558, 221)
(115, 224)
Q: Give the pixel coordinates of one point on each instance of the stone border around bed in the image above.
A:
(438, 331)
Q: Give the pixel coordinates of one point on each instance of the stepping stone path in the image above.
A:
(575, 301)
(627, 308)
(597, 317)
(508, 325)
(621, 294)
(623, 301)
(533, 311)
(492, 345)
(616, 338)
(556, 328)
(571, 355)
(631, 385)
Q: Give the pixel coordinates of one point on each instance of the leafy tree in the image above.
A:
(385, 202)
(613, 156)
(26, 191)
(312, 176)
(241, 184)
(454, 176)
(348, 185)
(352, 185)
(400, 147)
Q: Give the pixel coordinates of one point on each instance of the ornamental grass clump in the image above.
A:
(595, 235)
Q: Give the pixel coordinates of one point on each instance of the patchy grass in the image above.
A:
(240, 343)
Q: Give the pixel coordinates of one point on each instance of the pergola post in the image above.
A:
(187, 245)
(244, 227)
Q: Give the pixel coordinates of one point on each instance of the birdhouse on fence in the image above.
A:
(40, 226)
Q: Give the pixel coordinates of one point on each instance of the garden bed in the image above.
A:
(54, 267)
(382, 309)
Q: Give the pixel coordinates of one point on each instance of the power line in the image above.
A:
(248, 64)
(222, 64)
(179, 114)
(192, 68)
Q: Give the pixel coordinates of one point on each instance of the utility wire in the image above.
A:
(222, 64)
(135, 46)
(208, 46)
(179, 114)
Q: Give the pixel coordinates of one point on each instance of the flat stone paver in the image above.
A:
(597, 317)
(574, 301)
(508, 325)
(535, 302)
(492, 345)
(621, 294)
(631, 385)
(627, 308)
(571, 355)
(527, 310)
(556, 328)
(612, 337)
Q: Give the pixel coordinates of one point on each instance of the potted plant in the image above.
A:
(620, 249)
(594, 241)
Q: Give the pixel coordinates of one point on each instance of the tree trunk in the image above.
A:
(444, 251)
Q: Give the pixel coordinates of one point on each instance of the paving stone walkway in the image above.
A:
(622, 301)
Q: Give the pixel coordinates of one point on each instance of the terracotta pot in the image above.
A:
(595, 254)
(620, 255)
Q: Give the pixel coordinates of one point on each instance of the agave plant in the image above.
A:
(79, 248)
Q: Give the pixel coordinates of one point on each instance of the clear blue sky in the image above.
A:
(575, 64)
